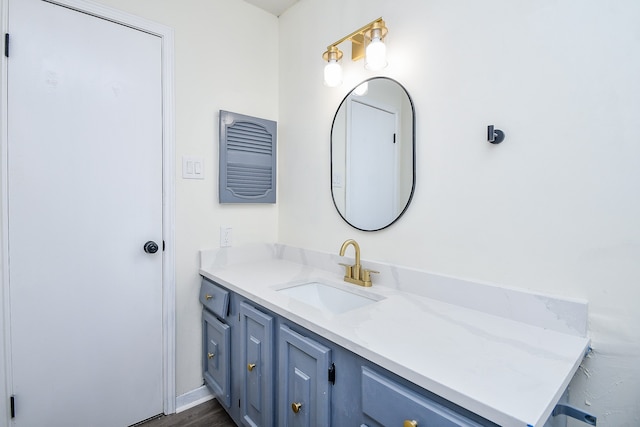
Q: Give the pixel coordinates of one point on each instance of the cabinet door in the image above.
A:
(256, 342)
(216, 346)
(304, 397)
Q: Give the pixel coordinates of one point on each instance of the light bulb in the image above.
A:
(332, 74)
(376, 55)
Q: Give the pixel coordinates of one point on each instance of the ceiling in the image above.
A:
(275, 7)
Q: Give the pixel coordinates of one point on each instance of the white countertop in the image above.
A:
(507, 371)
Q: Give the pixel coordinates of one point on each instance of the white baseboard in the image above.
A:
(193, 398)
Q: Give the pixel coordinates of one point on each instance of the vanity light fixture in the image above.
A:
(333, 70)
(366, 42)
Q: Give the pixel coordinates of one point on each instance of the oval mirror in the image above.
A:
(373, 154)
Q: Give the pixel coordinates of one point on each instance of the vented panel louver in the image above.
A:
(247, 159)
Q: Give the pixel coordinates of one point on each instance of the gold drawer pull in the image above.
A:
(295, 407)
(208, 297)
(250, 366)
(210, 355)
(410, 423)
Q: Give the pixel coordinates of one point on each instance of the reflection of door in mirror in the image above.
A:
(371, 157)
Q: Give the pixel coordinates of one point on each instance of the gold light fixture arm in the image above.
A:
(357, 40)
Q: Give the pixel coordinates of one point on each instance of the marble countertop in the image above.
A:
(508, 371)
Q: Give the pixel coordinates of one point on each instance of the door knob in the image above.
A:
(410, 423)
(250, 366)
(210, 355)
(151, 247)
(295, 407)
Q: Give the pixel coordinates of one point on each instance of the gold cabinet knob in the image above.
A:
(295, 407)
(210, 355)
(410, 423)
(250, 366)
(208, 297)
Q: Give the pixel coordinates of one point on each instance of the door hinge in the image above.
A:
(12, 404)
(332, 374)
(6, 45)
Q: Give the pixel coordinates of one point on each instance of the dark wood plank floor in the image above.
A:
(208, 414)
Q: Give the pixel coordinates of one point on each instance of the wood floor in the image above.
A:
(208, 414)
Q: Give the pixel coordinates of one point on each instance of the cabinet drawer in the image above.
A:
(217, 356)
(214, 298)
(391, 404)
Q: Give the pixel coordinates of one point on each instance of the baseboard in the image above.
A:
(193, 398)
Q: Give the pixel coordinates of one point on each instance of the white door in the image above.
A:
(84, 195)
(371, 158)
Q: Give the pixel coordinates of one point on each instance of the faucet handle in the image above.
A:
(366, 276)
(347, 270)
(366, 272)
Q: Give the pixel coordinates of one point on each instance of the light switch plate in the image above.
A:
(192, 167)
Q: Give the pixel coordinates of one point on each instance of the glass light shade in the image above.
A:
(332, 74)
(375, 55)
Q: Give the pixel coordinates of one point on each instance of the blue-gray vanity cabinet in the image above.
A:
(269, 371)
(304, 398)
(258, 386)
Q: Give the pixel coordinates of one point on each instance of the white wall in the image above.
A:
(554, 208)
(226, 58)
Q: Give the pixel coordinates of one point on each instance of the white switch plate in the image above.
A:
(225, 236)
(192, 167)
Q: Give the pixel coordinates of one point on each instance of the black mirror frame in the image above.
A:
(413, 131)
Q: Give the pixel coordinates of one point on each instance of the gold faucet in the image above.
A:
(355, 273)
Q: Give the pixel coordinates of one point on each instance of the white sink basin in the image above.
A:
(330, 297)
